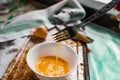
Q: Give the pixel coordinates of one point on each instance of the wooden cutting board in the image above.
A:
(18, 68)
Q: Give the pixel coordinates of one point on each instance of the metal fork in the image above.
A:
(72, 31)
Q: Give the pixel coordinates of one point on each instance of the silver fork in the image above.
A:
(72, 31)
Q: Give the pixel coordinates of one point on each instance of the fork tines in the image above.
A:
(61, 35)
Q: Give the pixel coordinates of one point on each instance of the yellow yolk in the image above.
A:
(47, 66)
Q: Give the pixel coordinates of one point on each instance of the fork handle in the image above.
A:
(99, 13)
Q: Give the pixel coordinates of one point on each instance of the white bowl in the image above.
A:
(50, 49)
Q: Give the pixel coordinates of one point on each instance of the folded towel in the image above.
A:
(44, 17)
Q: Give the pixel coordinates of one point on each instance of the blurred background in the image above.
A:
(12, 8)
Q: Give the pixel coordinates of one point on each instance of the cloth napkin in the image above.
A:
(23, 24)
(104, 58)
(60, 10)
